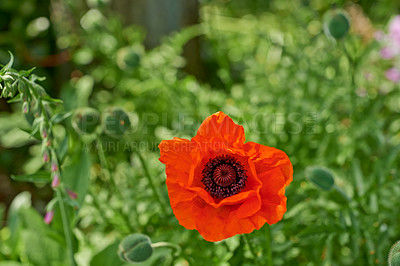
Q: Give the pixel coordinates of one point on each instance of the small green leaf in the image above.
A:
(26, 73)
(10, 63)
(107, 256)
(320, 177)
(39, 177)
(57, 118)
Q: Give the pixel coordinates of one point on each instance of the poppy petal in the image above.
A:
(266, 158)
(175, 154)
(220, 128)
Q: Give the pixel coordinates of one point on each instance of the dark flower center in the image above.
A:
(223, 176)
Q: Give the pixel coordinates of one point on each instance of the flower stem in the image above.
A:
(169, 245)
(268, 240)
(67, 229)
(153, 187)
(249, 245)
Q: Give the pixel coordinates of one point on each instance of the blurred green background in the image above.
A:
(167, 65)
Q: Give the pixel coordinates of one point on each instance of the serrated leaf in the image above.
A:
(39, 177)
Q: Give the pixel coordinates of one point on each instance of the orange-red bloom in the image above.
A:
(222, 186)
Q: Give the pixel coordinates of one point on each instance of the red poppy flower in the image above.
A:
(222, 186)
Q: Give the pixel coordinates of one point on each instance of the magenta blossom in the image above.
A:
(393, 74)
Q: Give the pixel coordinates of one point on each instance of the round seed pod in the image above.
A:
(128, 58)
(394, 255)
(86, 120)
(115, 122)
(336, 23)
(135, 248)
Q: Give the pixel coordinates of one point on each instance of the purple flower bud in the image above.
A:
(393, 74)
(54, 167)
(46, 157)
(44, 134)
(56, 181)
(49, 217)
(72, 194)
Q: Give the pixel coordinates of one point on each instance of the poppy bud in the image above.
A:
(320, 177)
(336, 23)
(86, 120)
(394, 255)
(49, 217)
(116, 122)
(135, 248)
(127, 58)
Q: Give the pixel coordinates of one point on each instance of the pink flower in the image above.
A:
(393, 74)
(386, 53)
(49, 217)
(394, 30)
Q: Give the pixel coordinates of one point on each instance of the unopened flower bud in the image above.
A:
(116, 121)
(336, 23)
(56, 181)
(72, 194)
(49, 217)
(46, 157)
(25, 107)
(54, 167)
(86, 120)
(135, 248)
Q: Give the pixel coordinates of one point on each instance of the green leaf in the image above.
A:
(10, 63)
(15, 138)
(39, 177)
(2, 211)
(76, 175)
(57, 118)
(43, 250)
(320, 177)
(107, 256)
(63, 148)
(26, 73)
(358, 177)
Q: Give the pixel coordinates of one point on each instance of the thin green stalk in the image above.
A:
(106, 170)
(249, 245)
(268, 240)
(66, 227)
(153, 187)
